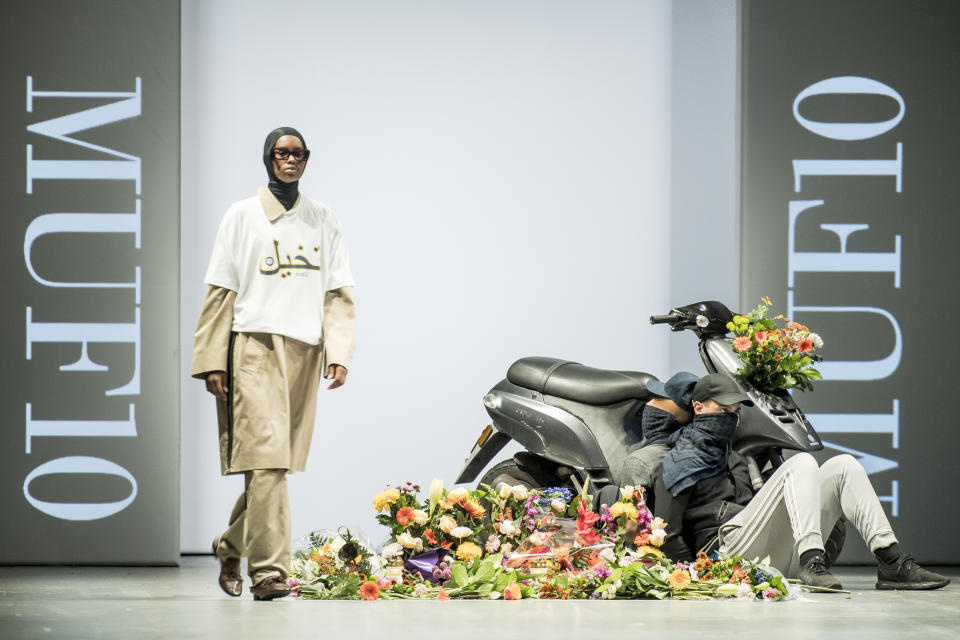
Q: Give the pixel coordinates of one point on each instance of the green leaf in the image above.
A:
(484, 573)
(459, 574)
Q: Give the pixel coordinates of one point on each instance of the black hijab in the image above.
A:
(285, 192)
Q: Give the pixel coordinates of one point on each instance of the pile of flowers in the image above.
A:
(775, 358)
(514, 543)
(451, 520)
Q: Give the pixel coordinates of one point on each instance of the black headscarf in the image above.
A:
(285, 192)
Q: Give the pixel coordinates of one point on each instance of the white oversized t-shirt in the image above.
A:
(280, 268)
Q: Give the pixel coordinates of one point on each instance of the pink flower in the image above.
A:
(369, 591)
(770, 593)
(760, 336)
(383, 583)
(512, 592)
(806, 346)
(742, 344)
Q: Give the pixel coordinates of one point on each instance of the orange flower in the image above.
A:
(472, 507)
(512, 592)
(806, 345)
(642, 538)
(679, 579)
(404, 516)
(742, 343)
(441, 594)
(369, 591)
(431, 538)
(738, 576)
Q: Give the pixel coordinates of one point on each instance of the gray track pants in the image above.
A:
(799, 502)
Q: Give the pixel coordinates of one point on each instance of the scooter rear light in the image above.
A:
(491, 401)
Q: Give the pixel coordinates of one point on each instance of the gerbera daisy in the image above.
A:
(369, 591)
(679, 579)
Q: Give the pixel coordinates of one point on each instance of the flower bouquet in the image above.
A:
(330, 565)
(774, 358)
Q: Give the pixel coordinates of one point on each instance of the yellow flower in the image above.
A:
(645, 549)
(680, 579)
(624, 509)
(384, 499)
(468, 552)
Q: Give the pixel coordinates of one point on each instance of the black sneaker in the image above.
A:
(906, 574)
(814, 574)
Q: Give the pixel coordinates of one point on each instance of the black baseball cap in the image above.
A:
(719, 388)
(678, 388)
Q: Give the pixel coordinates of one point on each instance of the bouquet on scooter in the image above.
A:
(775, 358)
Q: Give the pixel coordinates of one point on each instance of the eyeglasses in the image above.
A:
(298, 154)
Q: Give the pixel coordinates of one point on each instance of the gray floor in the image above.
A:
(185, 602)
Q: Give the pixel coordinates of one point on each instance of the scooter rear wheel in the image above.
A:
(509, 472)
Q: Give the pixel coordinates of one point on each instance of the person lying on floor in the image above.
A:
(708, 502)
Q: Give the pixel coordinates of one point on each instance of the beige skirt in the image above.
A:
(267, 420)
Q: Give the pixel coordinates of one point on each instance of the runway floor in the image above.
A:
(185, 602)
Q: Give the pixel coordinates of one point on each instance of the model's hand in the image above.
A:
(338, 373)
(217, 384)
(671, 407)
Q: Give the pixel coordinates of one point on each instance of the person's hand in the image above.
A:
(671, 407)
(217, 384)
(338, 373)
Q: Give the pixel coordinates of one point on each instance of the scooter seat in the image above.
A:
(574, 381)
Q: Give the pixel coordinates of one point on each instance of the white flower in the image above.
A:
(626, 492)
(507, 528)
(507, 548)
(657, 536)
(520, 492)
(607, 554)
(495, 595)
(816, 340)
(558, 505)
(628, 558)
(504, 490)
(420, 517)
(658, 523)
(458, 494)
(409, 542)
(420, 590)
(436, 491)
(447, 524)
(493, 543)
(461, 532)
(393, 549)
(745, 592)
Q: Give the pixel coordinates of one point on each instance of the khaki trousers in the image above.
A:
(260, 526)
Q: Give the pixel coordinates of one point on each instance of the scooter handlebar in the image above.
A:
(665, 319)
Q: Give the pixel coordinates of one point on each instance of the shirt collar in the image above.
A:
(272, 206)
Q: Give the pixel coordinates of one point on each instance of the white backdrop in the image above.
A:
(502, 172)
